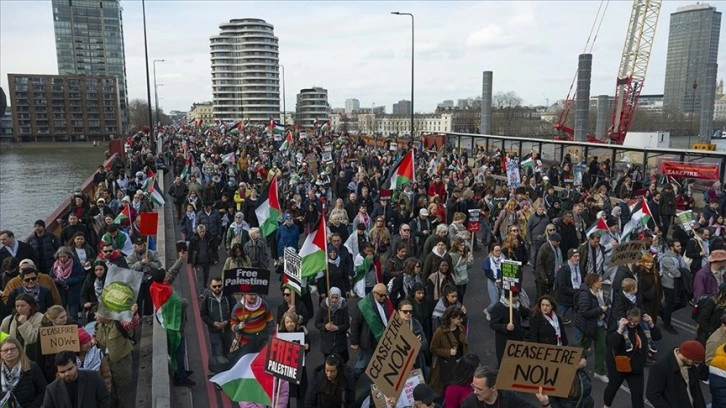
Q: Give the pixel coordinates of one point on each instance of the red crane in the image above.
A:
(631, 75)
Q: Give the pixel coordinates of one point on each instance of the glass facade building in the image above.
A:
(89, 40)
(245, 71)
(692, 44)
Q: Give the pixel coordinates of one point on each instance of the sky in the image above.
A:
(359, 50)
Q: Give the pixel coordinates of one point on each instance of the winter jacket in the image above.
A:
(213, 222)
(333, 342)
(545, 269)
(616, 347)
(314, 397)
(588, 312)
(70, 289)
(212, 310)
(541, 331)
(704, 283)
(287, 237)
(666, 388)
(565, 291)
(30, 389)
(45, 246)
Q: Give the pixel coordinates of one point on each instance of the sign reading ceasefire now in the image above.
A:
(393, 358)
(528, 366)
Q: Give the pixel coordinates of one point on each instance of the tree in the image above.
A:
(502, 100)
(139, 115)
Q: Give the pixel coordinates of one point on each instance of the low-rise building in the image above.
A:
(203, 111)
(64, 107)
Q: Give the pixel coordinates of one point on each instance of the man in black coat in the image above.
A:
(13, 247)
(666, 384)
(45, 244)
(74, 387)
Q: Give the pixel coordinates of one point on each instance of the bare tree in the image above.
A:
(503, 100)
(139, 115)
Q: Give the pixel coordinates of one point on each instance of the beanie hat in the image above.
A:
(83, 336)
(40, 222)
(570, 252)
(693, 350)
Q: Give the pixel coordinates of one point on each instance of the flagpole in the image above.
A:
(277, 394)
(327, 268)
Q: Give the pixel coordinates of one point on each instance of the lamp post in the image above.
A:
(156, 91)
(398, 13)
(148, 87)
(284, 108)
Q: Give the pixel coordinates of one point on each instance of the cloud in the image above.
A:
(490, 36)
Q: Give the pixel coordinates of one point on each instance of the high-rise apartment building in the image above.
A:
(89, 40)
(352, 105)
(312, 104)
(245, 71)
(402, 107)
(692, 44)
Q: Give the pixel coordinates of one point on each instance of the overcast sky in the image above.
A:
(358, 50)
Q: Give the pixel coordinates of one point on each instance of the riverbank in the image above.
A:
(49, 145)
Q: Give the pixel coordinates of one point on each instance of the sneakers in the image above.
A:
(602, 377)
(184, 383)
(487, 314)
(670, 329)
(651, 347)
(628, 346)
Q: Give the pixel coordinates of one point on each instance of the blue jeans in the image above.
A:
(364, 357)
(493, 291)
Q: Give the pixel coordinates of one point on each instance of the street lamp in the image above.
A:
(156, 91)
(398, 13)
(284, 109)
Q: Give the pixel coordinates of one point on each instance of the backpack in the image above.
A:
(700, 303)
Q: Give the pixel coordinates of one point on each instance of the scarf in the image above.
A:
(62, 270)
(335, 306)
(98, 287)
(575, 275)
(630, 296)
(558, 257)
(34, 291)
(335, 261)
(10, 378)
(239, 227)
(496, 266)
(555, 323)
(254, 306)
(91, 361)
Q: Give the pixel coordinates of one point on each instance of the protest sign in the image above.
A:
(119, 293)
(393, 357)
(285, 360)
(246, 280)
(406, 399)
(148, 223)
(627, 252)
(513, 177)
(58, 338)
(687, 219)
(293, 337)
(511, 274)
(291, 266)
(528, 366)
(327, 157)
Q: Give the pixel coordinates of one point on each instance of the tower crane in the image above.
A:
(631, 74)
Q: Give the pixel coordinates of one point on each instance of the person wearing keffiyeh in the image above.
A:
(23, 384)
(91, 358)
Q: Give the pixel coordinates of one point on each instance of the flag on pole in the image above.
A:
(314, 250)
(639, 219)
(527, 163)
(168, 310)
(151, 187)
(247, 380)
(402, 172)
(268, 212)
(600, 227)
(125, 214)
(228, 158)
(326, 126)
(288, 141)
(275, 127)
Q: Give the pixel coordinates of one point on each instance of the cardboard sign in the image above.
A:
(246, 280)
(527, 366)
(511, 274)
(285, 360)
(406, 398)
(148, 223)
(627, 252)
(393, 358)
(58, 338)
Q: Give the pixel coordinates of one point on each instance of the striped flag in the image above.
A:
(268, 212)
(314, 251)
(125, 214)
(600, 227)
(151, 187)
(639, 219)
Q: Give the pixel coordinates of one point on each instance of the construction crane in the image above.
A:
(631, 74)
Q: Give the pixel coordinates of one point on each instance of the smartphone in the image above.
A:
(181, 246)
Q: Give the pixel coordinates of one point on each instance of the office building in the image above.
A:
(312, 103)
(89, 40)
(402, 107)
(64, 107)
(352, 105)
(692, 44)
(245, 71)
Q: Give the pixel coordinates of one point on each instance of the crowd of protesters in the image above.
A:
(406, 251)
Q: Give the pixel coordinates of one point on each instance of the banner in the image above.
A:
(285, 360)
(627, 252)
(246, 280)
(148, 223)
(511, 274)
(691, 170)
(119, 293)
(58, 338)
(393, 358)
(513, 179)
(528, 366)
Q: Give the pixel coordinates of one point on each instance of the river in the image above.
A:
(36, 179)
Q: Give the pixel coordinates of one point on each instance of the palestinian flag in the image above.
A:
(314, 250)
(185, 173)
(151, 187)
(228, 158)
(639, 219)
(247, 380)
(288, 141)
(599, 228)
(269, 212)
(326, 126)
(527, 163)
(275, 127)
(292, 284)
(401, 173)
(125, 214)
(149, 172)
(168, 310)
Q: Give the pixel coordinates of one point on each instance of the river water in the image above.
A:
(36, 179)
